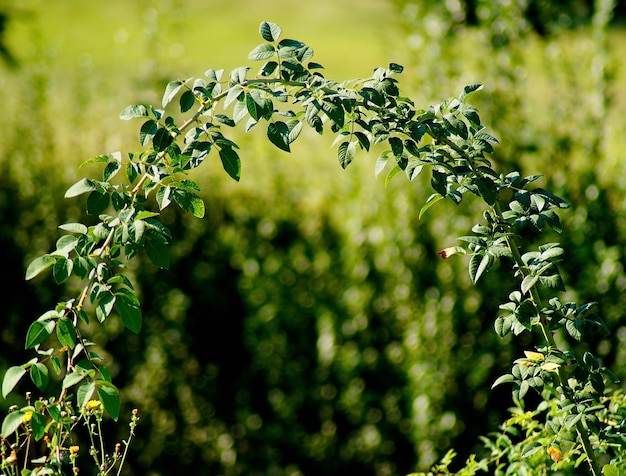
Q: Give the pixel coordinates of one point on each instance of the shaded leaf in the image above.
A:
(231, 162)
(110, 398)
(39, 376)
(129, 312)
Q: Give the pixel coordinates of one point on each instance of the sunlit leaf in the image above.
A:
(11, 378)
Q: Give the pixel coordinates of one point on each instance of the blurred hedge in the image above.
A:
(306, 325)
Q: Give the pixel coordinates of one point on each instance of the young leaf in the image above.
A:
(434, 198)
(392, 173)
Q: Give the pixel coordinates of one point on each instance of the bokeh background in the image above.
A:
(307, 325)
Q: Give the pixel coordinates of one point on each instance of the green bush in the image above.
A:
(320, 300)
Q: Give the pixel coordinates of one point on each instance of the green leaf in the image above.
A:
(147, 131)
(392, 173)
(240, 111)
(488, 190)
(438, 182)
(106, 302)
(84, 393)
(171, 90)
(278, 134)
(479, 264)
(189, 202)
(158, 253)
(573, 328)
(74, 228)
(111, 169)
(39, 376)
(162, 139)
(572, 419)
(467, 90)
(12, 422)
(270, 31)
(506, 378)
(66, 332)
(231, 162)
(528, 282)
(233, 95)
(502, 325)
(345, 153)
(110, 398)
(610, 470)
(531, 448)
(38, 424)
(62, 270)
(262, 52)
(164, 197)
(38, 265)
(186, 101)
(258, 106)
(97, 202)
(39, 331)
(11, 378)
(238, 75)
(553, 281)
(73, 378)
(434, 198)
(381, 162)
(129, 312)
(131, 112)
(397, 146)
(82, 186)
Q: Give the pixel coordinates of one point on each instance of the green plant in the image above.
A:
(578, 419)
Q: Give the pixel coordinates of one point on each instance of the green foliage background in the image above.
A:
(306, 325)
